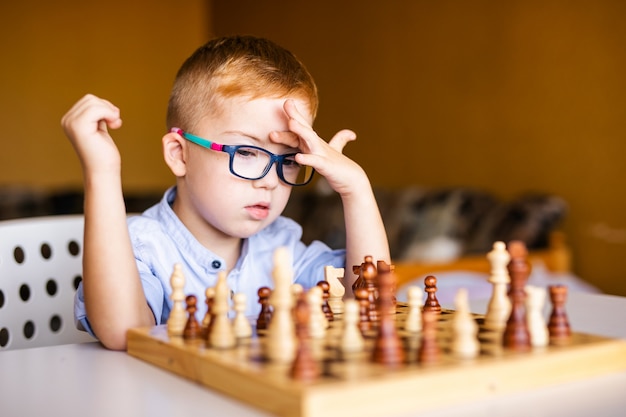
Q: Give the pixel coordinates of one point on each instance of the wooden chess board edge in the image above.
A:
(190, 362)
(412, 389)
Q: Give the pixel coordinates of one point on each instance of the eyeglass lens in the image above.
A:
(253, 163)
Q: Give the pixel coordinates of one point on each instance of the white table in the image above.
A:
(87, 380)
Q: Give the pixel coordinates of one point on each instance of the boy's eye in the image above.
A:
(290, 162)
(247, 152)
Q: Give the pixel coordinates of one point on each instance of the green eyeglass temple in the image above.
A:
(232, 149)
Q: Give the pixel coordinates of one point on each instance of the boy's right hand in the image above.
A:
(85, 124)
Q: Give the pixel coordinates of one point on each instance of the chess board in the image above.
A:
(353, 385)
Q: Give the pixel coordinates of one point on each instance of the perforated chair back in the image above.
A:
(40, 268)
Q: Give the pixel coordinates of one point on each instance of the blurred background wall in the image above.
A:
(507, 97)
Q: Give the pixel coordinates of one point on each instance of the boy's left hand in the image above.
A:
(343, 174)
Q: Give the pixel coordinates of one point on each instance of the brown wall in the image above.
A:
(54, 52)
(507, 96)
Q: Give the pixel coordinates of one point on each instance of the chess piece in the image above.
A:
(558, 324)
(209, 293)
(334, 277)
(516, 335)
(178, 317)
(429, 351)
(221, 335)
(281, 338)
(362, 297)
(413, 321)
(388, 349)
(499, 306)
(317, 322)
(351, 338)
(328, 313)
(241, 325)
(384, 266)
(465, 343)
(192, 330)
(304, 367)
(431, 304)
(535, 299)
(265, 315)
(370, 274)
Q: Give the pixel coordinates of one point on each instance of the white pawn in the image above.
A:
(464, 328)
(178, 315)
(351, 339)
(296, 290)
(317, 321)
(535, 299)
(415, 299)
(241, 325)
(222, 335)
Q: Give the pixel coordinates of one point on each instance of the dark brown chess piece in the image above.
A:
(363, 272)
(208, 320)
(362, 297)
(388, 349)
(265, 315)
(384, 266)
(325, 286)
(558, 324)
(304, 366)
(516, 335)
(430, 287)
(429, 351)
(193, 329)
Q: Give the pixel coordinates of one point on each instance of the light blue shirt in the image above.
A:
(160, 240)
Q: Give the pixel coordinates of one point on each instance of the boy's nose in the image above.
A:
(270, 180)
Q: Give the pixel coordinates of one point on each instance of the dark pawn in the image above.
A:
(193, 329)
(325, 286)
(558, 325)
(362, 296)
(304, 366)
(265, 315)
(516, 335)
(431, 304)
(388, 349)
(429, 351)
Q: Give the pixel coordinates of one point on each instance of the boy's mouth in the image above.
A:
(258, 211)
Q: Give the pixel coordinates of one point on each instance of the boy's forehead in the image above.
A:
(242, 113)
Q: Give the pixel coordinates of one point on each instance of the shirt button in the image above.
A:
(216, 264)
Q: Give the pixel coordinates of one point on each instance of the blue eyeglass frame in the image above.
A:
(231, 149)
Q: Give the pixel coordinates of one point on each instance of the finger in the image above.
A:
(341, 138)
(292, 111)
(289, 139)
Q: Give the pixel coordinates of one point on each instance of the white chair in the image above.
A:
(40, 268)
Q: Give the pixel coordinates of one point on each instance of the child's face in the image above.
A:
(222, 202)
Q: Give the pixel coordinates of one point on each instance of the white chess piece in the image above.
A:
(241, 324)
(317, 321)
(464, 328)
(178, 315)
(222, 335)
(499, 307)
(351, 340)
(535, 300)
(281, 336)
(415, 299)
(334, 277)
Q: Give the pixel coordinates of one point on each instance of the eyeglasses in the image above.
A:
(253, 163)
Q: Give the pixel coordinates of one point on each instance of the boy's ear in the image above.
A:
(174, 153)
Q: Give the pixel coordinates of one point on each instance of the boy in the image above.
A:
(240, 136)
